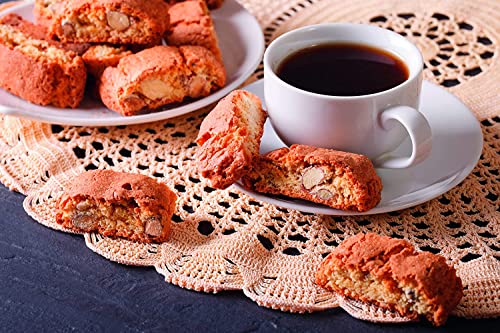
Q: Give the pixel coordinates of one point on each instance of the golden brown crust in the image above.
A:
(191, 24)
(319, 175)
(111, 21)
(230, 138)
(396, 265)
(140, 195)
(36, 70)
(159, 76)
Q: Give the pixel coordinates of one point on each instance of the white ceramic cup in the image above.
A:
(372, 125)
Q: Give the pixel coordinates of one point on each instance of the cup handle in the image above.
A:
(419, 131)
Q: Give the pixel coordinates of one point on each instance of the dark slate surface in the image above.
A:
(50, 281)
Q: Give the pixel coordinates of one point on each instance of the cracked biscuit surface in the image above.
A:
(337, 179)
(117, 204)
(390, 273)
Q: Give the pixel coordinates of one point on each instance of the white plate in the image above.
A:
(456, 148)
(242, 45)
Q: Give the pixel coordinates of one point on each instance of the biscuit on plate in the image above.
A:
(337, 179)
(230, 138)
(37, 70)
(98, 57)
(389, 272)
(191, 24)
(158, 76)
(111, 21)
(117, 204)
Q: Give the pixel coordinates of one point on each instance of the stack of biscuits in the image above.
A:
(136, 55)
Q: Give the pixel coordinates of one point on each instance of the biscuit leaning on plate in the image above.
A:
(389, 272)
(158, 76)
(117, 204)
(337, 179)
(230, 138)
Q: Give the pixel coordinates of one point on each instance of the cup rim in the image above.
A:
(410, 78)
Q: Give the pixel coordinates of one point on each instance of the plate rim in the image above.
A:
(456, 178)
(120, 120)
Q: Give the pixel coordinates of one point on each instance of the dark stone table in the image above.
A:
(50, 281)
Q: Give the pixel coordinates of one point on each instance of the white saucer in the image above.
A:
(242, 45)
(456, 148)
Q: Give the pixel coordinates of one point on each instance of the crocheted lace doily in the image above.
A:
(225, 240)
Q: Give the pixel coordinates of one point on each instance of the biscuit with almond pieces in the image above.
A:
(389, 272)
(117, 204)
(333, 178)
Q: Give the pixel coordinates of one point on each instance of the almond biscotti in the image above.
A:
(337, 179)
(230, 138)
(37, 70)
(158, 76)
(390, 273)
(111, 21)
(37, 31)
(117, 204)
(191, 24)
(98, 57)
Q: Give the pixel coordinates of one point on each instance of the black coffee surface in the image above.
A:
(342, 69)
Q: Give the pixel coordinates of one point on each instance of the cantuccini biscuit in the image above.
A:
(337, 179)
(230, 138)
(191, 24)
(390, 273)
(158, 76)
(118, 204)
(28, 28)
(111, 21)
(98, 57)
(37, 31)
(37, 70)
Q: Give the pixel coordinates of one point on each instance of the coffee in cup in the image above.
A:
(343, 69)
(314, 96)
